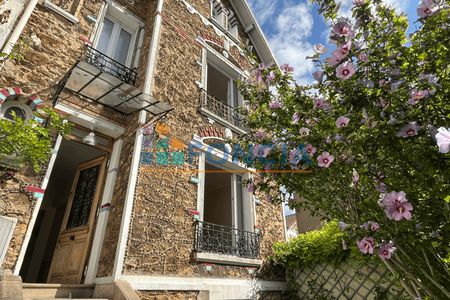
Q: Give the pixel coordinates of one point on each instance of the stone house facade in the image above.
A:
(143, 190)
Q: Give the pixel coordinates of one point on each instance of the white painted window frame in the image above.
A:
(212, 57)
(248, 204)
(124, 19)
(62, 12)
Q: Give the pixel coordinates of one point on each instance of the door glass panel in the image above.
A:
(83, 197)
(239, 204)
(235, 95)
(123, 44)
(105, 36)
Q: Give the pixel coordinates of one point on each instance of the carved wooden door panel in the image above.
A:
(74, 240)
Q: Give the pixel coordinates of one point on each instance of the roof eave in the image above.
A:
(256, 35)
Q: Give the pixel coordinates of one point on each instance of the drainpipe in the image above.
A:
(129, 198)
(19, 27)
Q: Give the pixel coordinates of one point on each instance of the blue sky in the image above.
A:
(294, 26)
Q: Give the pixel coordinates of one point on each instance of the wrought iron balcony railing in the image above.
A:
(109, 65)
(220, 239)
(224, 111)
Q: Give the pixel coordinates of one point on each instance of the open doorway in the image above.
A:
(65, 221)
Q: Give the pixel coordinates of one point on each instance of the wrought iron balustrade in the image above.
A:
(220, 239)
(222, 110)
(109, 65)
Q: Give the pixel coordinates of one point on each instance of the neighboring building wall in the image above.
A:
(162, 233)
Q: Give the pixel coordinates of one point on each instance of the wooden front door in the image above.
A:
(72, 248)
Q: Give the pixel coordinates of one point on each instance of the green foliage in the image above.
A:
(317, 246)
(28, 142)
(378, 99)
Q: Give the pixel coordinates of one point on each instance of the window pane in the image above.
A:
(105, 36)
(20, 113)
(217, 84)
(123, 44)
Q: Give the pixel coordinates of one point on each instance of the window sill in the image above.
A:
(222, 121)
(227, 259)
(61, 12)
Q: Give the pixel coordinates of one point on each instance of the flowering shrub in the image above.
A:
(374, 132)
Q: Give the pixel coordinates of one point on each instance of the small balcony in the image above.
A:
(218, 239)
(223, 113)
(99, 78)
(110, 66)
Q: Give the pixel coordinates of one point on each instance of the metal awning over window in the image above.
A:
(95, 83)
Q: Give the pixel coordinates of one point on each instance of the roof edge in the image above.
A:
(257, 37)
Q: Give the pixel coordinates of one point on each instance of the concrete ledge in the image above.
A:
(227, 259)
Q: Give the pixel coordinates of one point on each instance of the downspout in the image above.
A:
(14, 37)
(129, 198)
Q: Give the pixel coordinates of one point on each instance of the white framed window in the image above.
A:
(220, 80)
(223, 198)
(224, 17)
(119, 36)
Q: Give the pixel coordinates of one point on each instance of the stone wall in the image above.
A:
(53, 46)
(17, 203)
(161, 295)
(162, 233)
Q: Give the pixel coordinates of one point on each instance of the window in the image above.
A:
(221, 96)
(65, 8)
(226, 201)
(223, 86)
(225, 231)
(117, 36)
(17, 106)
(224, 17)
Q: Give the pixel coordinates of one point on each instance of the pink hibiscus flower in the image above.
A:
(393, 198)
(343, 28)
(310, 149)
(325, 159)
(321, 103)
(399, 211)
(346, 70)
(275, 104)
(366, 245)
(304, 131)
(443, 139)
(286, 68)
(358, 2)
(343, 50)
(416, 95)
(386, 250)
(408, 130)
(320, 49)
(342, 122)
(426, 8)
(333, 60)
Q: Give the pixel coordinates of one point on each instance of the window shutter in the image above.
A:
(7, 226)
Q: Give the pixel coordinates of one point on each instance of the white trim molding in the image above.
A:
(63, 13)
(44, 184)
(100, 124)
(227, 259)
(218, 288)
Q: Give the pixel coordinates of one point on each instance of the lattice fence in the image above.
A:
(350, 280)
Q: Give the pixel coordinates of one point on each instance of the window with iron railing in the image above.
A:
(219, 239)
(221, 96)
